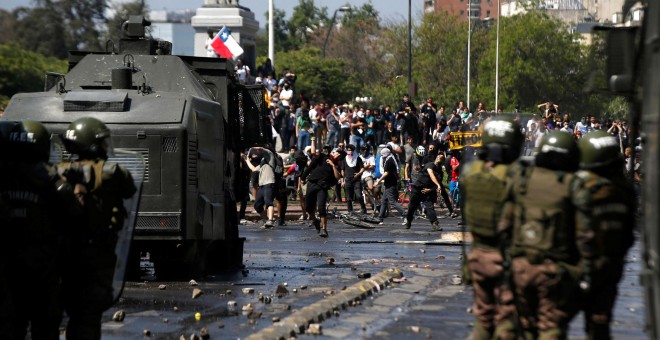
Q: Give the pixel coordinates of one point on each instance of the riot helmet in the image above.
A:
(420, 151)
(88, 138)
(502, 139)
(599, 149)
(558, 150)
(27, 140)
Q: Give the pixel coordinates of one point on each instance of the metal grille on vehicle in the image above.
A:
(170, 144)
(131, 163)
(160, 222)
(192, 162)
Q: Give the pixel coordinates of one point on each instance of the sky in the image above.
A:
(389, 10)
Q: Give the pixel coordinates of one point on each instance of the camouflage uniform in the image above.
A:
(493, 299)
(91, 250)
(605, 218)
(484, 182)
(101, 187)
(541, 218)
(33, 213)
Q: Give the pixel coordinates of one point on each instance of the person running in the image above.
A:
(390, 177)
(424, 188)
(352, 170)
(321, 175)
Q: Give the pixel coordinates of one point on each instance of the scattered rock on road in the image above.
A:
(119, 316)
(196, 293)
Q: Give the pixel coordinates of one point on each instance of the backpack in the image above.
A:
(278, 168)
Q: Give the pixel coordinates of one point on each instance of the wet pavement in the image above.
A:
(426, 303)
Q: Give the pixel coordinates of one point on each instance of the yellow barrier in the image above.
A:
(459, 140)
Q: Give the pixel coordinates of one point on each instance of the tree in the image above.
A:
(540, 60)
(329, 79)
(23, 71)
(306, 18)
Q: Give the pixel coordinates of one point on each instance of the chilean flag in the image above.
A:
(225, 45)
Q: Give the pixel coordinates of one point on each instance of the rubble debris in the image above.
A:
(232, 306)
(276, 319)
(364, 275)
(281, 291)
(315, 329)
(119, 316)
(330, 260)
(248, 291)
(146, 333)
(196, 293)
(192, 283)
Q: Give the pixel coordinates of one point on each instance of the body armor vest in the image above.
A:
(544, 217)
(606, 209)
(486, 189)
(106, 185)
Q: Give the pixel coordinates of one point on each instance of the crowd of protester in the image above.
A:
(375, 148)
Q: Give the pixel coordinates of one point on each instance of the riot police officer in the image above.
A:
(540, 215)
(605, 205)
(424, 188)
(483, 184)
(101, 187)
(33, 213)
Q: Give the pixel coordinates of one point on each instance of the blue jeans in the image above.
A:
(303, 139)
(357, 141)
(332, 136)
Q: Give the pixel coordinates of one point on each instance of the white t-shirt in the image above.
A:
(371, 160)
(312, 115)
(285, 96)
(345, 124)
(243, 73)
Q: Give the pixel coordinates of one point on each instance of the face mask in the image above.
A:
(349, 152)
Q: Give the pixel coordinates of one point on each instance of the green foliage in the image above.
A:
(55, 27)
(540, 60)
(306, 18)
(23, 71)
(329, 79)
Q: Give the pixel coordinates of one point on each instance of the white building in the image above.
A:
(174, 26)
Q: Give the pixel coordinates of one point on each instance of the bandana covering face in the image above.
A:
(351, 159)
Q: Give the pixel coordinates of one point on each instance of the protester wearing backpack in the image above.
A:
(267, 186)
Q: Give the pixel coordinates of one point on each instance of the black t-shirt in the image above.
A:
(320, 172)
(349, 172)
(407, 106)
(420, 175)
(392, 173)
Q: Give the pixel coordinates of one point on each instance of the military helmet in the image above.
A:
(598, 148)
(558, 150)
(502, 130)
(27, 140)
(88, 138)
(502, 139)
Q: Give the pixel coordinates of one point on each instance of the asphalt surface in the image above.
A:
(426, 303)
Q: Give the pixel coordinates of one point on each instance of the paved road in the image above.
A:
(426, 305)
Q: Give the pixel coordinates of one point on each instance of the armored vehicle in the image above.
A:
(633, 71)
(188, 117)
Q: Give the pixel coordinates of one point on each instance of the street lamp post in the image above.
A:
(468, 51)
(411, 89)
(345, 8)
(497, 55)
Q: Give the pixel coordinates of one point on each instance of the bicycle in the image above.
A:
(404, 197)
(357, 220)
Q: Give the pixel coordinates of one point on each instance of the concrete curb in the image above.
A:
(298, 322)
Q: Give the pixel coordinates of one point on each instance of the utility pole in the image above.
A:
(271, 35)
